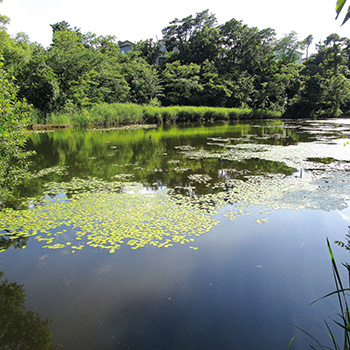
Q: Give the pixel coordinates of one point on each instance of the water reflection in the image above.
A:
(253, 202)
(20, 328)
(110, 188)
(111, 152)
(9, 241)
(172, 154)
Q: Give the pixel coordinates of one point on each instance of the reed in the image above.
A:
(343, 319)
(59, 118)
(115, 114)
(340, 292)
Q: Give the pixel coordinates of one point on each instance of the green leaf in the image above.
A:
(347, 16)
(290, 343)
(339, 6)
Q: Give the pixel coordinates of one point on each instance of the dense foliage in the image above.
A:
(197, 63)
(13, 113)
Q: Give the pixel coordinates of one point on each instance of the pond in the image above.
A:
(202, 237)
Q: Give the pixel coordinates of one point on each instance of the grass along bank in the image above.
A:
(109, 115)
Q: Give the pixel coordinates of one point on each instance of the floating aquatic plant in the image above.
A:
(181, 170)
(58, 170)
(302, 155)
(200, 178)
(185, 147)
(108, 219)
(262, 221)
(123, 176)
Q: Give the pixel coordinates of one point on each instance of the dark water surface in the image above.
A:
(180, 238)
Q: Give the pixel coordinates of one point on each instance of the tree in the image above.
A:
(324, 81)
(183, 38)
(216, 91)
(203, 45)
(307, 42)
(283, 87)
(286, 48)
(181, 83)
(149, 50)
(243, 90)
(247, 50)
(15, 52)
(105, 83)
(37, 81)
(13, 115)
(71, 63)
(87, 69)
(336, 92)
(107, 45)
(59, 26)
(332, 52)
(142, 79)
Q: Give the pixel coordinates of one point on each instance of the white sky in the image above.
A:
(136, 20)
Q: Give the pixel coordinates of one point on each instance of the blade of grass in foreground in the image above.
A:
(290, 343)
(344, 309)
(343, 304)
(312, 337)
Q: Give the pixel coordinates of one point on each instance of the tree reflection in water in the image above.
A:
(20, 328)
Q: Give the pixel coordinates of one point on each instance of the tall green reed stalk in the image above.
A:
(343, 320)
(340, 291)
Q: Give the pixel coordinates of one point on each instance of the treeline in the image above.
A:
(198, 63)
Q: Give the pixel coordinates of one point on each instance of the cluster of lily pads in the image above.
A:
(107, 215)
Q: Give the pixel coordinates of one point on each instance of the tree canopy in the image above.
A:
(197, 62)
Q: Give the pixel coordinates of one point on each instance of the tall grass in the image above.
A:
(343, 320)
(115, 114)
(344, 314)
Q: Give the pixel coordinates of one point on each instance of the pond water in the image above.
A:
(208, 237)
